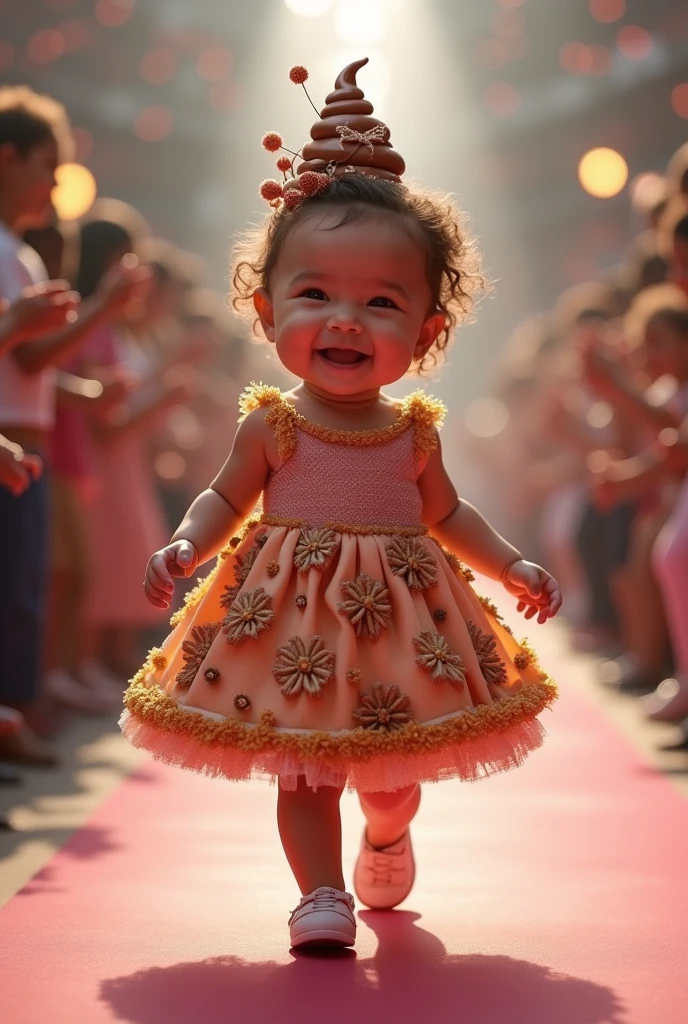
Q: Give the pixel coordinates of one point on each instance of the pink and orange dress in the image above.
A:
(335, 638)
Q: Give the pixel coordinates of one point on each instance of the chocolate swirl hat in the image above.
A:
(345, 140)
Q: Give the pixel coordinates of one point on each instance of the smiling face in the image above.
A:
(349, 308)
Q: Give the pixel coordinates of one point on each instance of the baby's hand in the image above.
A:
(178, 559)
(535, 589)
(17, 469)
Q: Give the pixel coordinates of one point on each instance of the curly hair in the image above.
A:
(452, 263)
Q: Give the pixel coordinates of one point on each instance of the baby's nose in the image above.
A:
(345, 321)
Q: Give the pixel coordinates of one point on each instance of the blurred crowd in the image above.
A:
(590, 470)
(120, 371)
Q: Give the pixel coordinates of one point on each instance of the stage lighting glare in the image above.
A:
(679, 99)
(75, 192)
(153, 124)
(607, 11)
(486, 417)
(308, 8)
(634, 42)
(603, 172)
(359, 21)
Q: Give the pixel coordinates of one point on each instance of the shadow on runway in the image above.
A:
(410, 978)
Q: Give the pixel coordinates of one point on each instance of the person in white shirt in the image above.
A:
(34, 137)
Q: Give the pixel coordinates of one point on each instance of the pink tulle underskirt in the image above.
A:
(470, 760)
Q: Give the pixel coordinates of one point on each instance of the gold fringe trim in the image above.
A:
(358, 528)
(151, 706)
(423, 411)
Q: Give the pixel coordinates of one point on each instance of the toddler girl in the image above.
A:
(338, 642)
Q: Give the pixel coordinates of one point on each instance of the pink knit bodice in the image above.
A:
(323, 481)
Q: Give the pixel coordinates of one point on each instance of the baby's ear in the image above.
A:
(263, 306)
(429, 333)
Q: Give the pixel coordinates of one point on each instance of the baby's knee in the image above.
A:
(390, 801)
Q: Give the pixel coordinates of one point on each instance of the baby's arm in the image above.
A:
(216, 512)
(458, 525)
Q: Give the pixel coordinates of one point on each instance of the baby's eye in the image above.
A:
(312, 293)
(382, 300)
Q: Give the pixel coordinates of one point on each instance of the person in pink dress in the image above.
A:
(338, 641)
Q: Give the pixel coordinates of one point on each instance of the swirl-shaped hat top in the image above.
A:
(348, 137)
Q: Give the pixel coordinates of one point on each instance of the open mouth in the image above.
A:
(342, 356)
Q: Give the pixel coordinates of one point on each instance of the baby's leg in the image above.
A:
(310, 828)
(388, 814)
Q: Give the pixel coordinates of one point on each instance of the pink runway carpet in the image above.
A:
(554, 894)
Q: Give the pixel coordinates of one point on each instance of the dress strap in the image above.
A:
(281, 415)
(427, 414)
(418, 409)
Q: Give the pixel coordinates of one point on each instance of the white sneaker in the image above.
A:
(96, 677)
(64, 688)
(384, 877)
(325, 917)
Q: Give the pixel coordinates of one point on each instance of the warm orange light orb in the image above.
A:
(603, 172)
(75, 192)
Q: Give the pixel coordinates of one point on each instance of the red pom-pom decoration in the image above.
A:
(272, 142)
(270, 189)
(292, 198)
(298, 74)
(284, 164)
(311, 182)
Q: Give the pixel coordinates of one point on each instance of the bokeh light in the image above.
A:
(508, 24)
(77, 34)
(113, 13)
(647, 190)
(679, 99)
(159, 66)
(75, 192)
(601, 60)
(6, 55)
(576, 58)
(502, 99)
(359, 21)
(486, 417)
(607, 11)
(214, 63)
(170, 465)
(599, 415)
(153, 123)
(308, 8)
(603, 172)
(45, 46)
(491, 54)
(634, 42)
